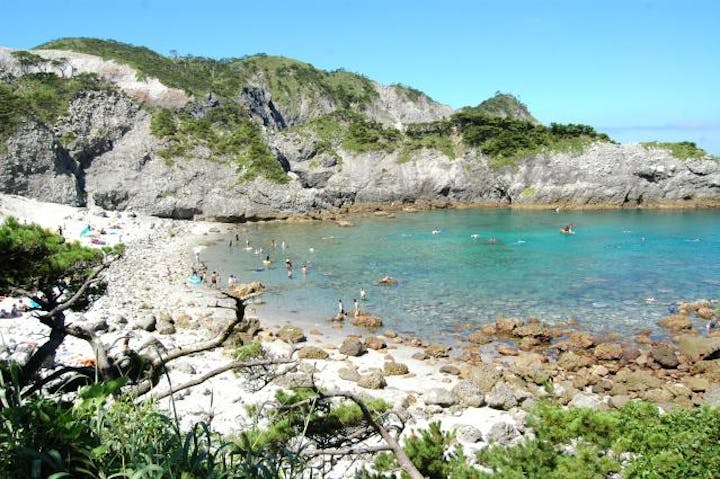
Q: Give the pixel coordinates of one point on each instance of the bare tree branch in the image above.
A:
(103, 362)
(392, 443)
(227, 367)
(347, 451)
(68, 303)
(217, 340)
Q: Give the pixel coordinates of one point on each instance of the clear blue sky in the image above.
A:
(636, 69)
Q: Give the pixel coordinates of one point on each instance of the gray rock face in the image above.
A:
(36, 165)
(102, 151)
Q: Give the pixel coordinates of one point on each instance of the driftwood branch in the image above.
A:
(217, 340)
(227, 367)
(347, 451)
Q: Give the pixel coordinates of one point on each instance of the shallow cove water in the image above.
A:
(620, 272)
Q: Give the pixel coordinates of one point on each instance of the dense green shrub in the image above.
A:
(288, 80)
(228, 134)
(681, 444)
(42, 97)
(506, 140)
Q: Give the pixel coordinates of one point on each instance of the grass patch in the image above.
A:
(684, 150)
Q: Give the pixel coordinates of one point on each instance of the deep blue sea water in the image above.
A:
(620, 272)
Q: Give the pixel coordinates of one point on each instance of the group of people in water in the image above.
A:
(356, 305)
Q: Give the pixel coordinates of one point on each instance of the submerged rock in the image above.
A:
(676, 323)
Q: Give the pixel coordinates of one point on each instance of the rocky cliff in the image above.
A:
(342, 141)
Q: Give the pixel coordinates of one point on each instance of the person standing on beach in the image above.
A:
(341, 308)
(363, 294)
(357, 307)
(214, 277)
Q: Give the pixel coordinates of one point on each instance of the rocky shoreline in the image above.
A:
(343, 212)
(482, 391)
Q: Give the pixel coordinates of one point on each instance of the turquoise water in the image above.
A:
(621, 271)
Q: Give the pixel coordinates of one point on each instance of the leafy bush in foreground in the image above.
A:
(581, 443)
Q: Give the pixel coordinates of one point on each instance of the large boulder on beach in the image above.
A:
(676, 323)
(503, 433)
(712, 396)
(439, 397)
(375, 342)
(505, 397)
(665, 356)
(640, 380)
(484, 376)
(608, 351)
(697, 383)
(569, 361)
(705, 313)
(697, 348)
(291, 334)
(506, 325)
(246, 290)
(436, 350)
(530, 367)
(165, 327)
(183, 320)
(581, 340)
(468, 394)
(590, 401)
(349, 373)
(312, 352)
(147, 322)
(468, 433)
(352, 347)
(391, 368)
(372, 380)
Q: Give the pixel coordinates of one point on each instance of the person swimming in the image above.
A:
(267, 260)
